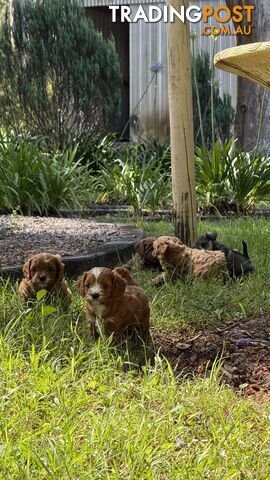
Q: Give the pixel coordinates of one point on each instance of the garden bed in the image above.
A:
(21, 236)
(82, 243)
(243, 347)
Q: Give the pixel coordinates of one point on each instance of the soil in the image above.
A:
(21, 237)
(244, 350)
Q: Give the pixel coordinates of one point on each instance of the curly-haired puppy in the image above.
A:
(44, 271)
(144, 255)
(238, 263)
(124, 273)
(179, 260)
(114, 302)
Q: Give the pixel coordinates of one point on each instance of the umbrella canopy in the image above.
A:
(251, 61)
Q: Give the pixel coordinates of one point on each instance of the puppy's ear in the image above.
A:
(60, 268)
(211, 236)
(160, 249)
(119, 286)
(124, 273)
(174, 249)
(27, 270)
(80, 283)
(139, 248)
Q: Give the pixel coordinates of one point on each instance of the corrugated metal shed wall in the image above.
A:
(148, 47)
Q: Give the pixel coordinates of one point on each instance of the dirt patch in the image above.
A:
(244, 348)
(21, 237)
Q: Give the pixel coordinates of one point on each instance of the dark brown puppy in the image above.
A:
(144, 255)
(44, 271)
(112, 305)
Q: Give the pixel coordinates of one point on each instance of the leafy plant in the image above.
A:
(249, 178)
(138, 177)
(227, 179)
(59, 77)
(211, 171)
(96, 150)
(36, 181)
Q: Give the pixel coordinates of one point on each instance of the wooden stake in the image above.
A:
(181, 127)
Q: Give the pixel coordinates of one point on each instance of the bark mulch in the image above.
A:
(244, 350)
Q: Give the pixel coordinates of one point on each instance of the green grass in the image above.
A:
(71, 409)
(203, 304)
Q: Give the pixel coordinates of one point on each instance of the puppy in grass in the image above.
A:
(238, 263)
(115, 303)
(178, 260)
(45, 271)
(144, 255)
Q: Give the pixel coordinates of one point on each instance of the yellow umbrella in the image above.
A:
(251, 61)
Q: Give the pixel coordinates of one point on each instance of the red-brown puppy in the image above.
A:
(124, 273)
(144, 249)
(44, 271)
(144, 255)
(179, 260)
(113, 305)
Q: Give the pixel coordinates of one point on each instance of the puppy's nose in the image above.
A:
(42, 278)
(95, 296)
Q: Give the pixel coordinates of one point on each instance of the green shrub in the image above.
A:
(95, 150)
(59, 77)
(139, 176)
(249, 178)
(227, 179)
(36, 181)
(211, 170)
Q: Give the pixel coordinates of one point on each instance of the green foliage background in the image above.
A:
(223, 109)
(58, 77)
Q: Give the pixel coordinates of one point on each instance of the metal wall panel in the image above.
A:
(148, 47)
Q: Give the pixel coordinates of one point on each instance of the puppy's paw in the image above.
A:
(138, 261)
(26, 290)
(159, 280)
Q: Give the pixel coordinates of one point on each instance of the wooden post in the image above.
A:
(181, 127)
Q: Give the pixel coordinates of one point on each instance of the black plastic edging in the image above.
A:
(110, 255)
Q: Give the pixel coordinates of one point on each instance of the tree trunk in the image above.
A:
(181, 127)
(253, 105)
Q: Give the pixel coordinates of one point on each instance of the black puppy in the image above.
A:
(238, 263)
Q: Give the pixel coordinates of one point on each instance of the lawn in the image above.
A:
(202, 304)
(71, 409)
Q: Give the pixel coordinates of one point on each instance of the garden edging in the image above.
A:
(165, 214)
(109, 255)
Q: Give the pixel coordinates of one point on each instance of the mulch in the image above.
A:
(21, 237)
(243, 349)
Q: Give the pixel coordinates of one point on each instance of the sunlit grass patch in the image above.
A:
(78, 415)
(74, 409)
